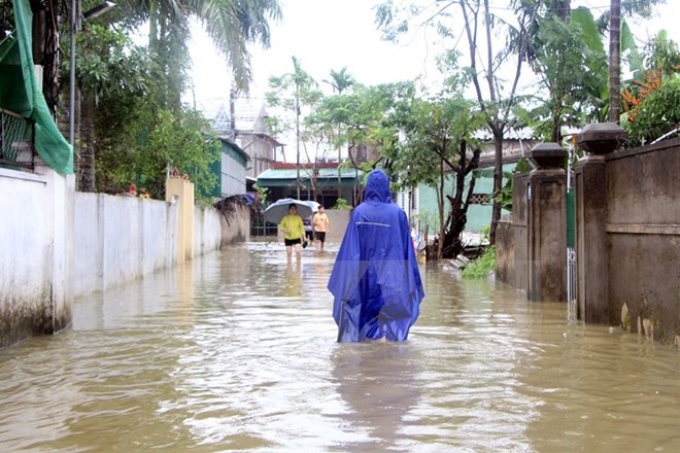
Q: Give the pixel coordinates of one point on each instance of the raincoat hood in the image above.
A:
(378, 187)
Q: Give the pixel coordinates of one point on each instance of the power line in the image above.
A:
(592, 7)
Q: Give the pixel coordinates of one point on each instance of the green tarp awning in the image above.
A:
(21, 93)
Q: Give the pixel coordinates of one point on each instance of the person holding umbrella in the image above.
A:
(293, 231)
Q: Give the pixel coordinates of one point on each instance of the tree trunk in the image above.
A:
(497, 182)
(451, 244)
(86, 168)
(614, 60)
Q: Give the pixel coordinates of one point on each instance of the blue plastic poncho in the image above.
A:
(375, 281)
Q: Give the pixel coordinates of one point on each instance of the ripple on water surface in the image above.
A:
(236, 352)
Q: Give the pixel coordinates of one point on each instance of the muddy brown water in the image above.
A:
(237, 352)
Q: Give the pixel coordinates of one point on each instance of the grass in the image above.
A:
(482, 266)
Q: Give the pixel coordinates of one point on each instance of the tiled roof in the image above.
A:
(249, 115)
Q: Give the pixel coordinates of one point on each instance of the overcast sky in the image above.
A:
(331, 34)
(324, 35)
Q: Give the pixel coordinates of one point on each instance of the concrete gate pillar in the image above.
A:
(592, 248)
(547, 223)
(182, 190)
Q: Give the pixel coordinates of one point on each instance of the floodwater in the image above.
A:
(237, 352)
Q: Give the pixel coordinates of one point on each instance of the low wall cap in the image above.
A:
(547, 155)
(601, 138)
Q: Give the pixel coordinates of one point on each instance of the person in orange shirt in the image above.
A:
(320, 223)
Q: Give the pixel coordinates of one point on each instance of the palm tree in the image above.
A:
(232, 24)
(340, 80)
(293, 91)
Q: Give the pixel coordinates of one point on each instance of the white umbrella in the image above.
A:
(275, 212)
(314, 205)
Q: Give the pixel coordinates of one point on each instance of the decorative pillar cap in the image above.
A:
(547, 156)
(601, 138)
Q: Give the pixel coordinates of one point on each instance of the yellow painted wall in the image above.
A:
(181, 191)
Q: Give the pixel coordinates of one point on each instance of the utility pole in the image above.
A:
(297, 135)
(232, 113)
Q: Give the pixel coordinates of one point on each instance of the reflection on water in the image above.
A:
(292, 284)
(379, 384)
(237, 351)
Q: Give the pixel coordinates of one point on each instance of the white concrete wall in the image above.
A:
(159, 235)
(207, 230)
(36, 253)
(56, 244)
(87, 228)
(121, 238)
(25, 235)
(236, 228)
(61, 200)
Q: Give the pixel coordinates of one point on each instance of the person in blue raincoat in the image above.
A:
(375, 281)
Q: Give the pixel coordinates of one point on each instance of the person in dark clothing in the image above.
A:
(309, 230)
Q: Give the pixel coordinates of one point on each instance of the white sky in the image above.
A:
(324, 35)
(331, 34)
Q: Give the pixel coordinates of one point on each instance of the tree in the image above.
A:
(495, 102)
(140, 143)
(650, 101)
(232, 25)
(616, 7)
(360, 119)
(497, 109)
(340, 80)
(570, 65)
(294, 91)
(437, 142)
(614, 61)
(108, 64)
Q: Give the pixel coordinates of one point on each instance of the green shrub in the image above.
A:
(480, 267)
(657, 114)
(341, 203)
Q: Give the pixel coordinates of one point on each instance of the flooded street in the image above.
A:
(237, 352)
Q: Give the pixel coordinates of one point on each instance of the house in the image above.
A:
(323, 182)
(420, 204)
(230, 170)
(244, 123)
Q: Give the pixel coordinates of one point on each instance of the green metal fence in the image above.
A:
(17, 150)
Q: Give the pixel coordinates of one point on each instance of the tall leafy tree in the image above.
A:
(296, 93)
(479, 25)
(360, 120)
(140, 141)
(232, 24)
(650, 101)
(438, 141)
(108, 64)
(569, 67)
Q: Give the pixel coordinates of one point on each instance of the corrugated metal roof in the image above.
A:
(327, 177)
(291, 173)
(234, 147)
